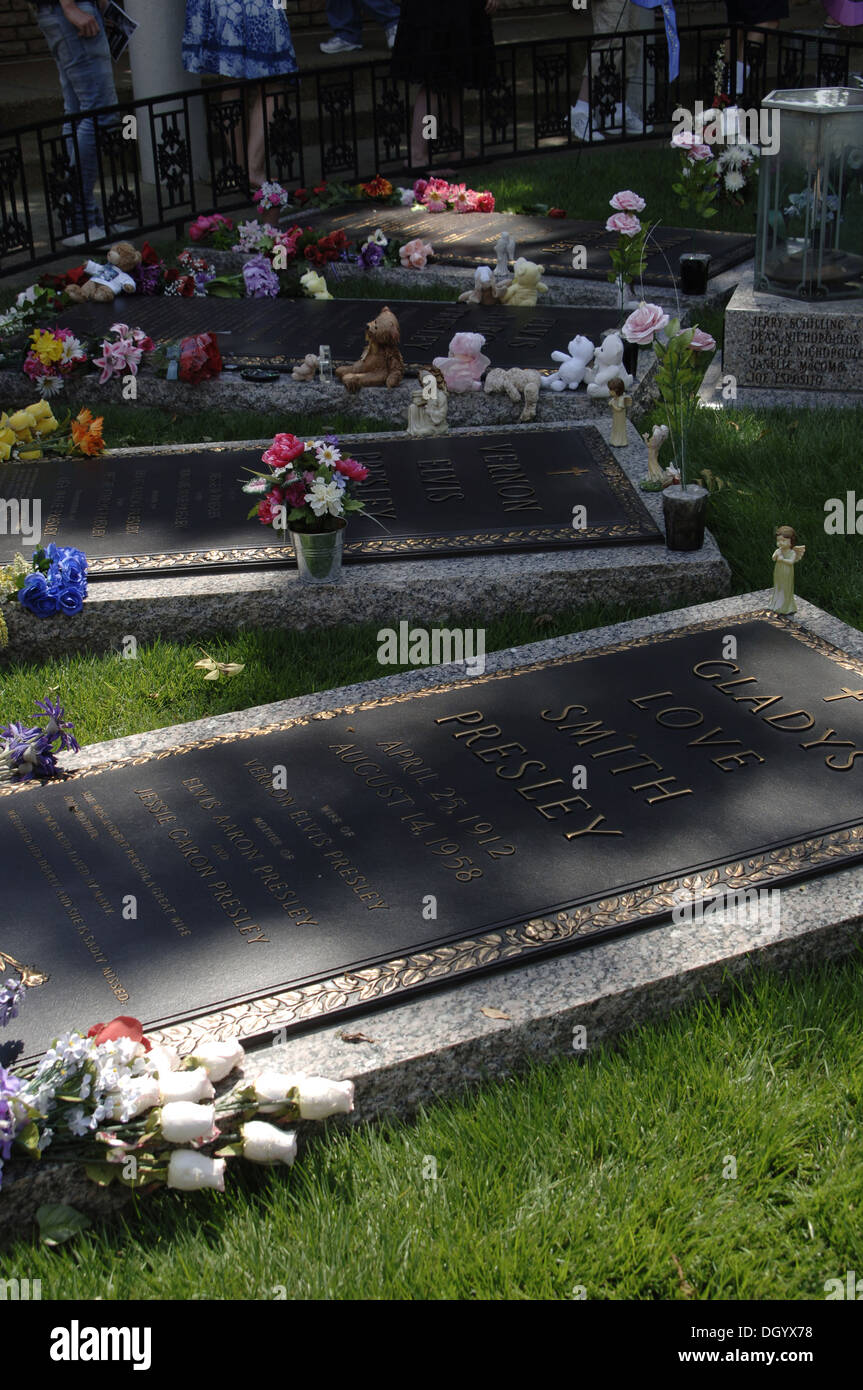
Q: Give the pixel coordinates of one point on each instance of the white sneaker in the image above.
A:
(634, 124)
(579, 119)
(338, 45)
(391, 31)
(93, 234)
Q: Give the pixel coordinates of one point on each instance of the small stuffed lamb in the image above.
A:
(516, 382)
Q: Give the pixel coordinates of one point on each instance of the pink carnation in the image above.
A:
(414, 254)
(624, 223)
(701, 341)
(350, 468)
(485, 202)
(268, 508)
(627, 201)
(643, 324)
(435, 205)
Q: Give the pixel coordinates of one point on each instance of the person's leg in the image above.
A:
(87, 82)
(384, 11)
(343, 17)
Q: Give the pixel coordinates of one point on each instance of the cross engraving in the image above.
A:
(846, 695)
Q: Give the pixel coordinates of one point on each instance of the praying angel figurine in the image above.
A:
(785, 556)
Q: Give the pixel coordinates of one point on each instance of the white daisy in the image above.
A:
(327, 453)
(50, 386)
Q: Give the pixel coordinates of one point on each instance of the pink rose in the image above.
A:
(414, 254)
(283, 450)
(691, 145)
(627, 201)
(624, 223)
(701, 341)
(643, 324)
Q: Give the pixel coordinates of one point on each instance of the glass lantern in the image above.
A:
(809, 240)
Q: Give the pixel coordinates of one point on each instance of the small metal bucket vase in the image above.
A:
(319, 555)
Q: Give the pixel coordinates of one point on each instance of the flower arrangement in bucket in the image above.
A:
(306, 489)
(682, 359)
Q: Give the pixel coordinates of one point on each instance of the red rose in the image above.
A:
(485, 202)
(295, 495)
(556, 212)
(200, 358)
(148, 255)
(321, 188)
(350, 468)
(269, 506)
(314, 256)
(120, 1027)
(301, 194)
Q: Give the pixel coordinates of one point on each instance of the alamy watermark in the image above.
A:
(436, 646)
(743, 907)
(21, 516)
(734, 126)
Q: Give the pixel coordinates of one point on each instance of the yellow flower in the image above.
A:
(30, 454)
(22, 420)
(47, 426)
(5, 450)
(46, 347)
(7, 436)
(39, 411)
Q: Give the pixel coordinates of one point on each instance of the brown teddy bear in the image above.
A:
(107, 281)
(381, 364)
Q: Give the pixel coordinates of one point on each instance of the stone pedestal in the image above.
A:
(773, 343)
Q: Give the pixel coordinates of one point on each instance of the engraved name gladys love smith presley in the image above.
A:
(480, 737)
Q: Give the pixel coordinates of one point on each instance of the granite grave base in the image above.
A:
(470, 586)
(433, 1045)
(777, 344)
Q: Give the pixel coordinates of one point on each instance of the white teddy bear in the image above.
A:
(607, 364)
(570, 373)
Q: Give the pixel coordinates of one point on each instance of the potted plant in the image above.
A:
(681, 364)
(306, 490)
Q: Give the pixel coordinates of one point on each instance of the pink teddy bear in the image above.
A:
(466, 363)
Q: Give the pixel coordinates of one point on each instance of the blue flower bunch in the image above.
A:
(58, 583)
(28, 751)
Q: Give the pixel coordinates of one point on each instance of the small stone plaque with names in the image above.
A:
(283, 876)
(457, 494)
(284, 330)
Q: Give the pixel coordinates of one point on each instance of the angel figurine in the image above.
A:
(785, 556)
(428, 408)
(654, 443)
(504, 250)
(618, 400)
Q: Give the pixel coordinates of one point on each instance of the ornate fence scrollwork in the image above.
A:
(355, 120)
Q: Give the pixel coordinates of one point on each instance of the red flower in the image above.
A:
(119, 1027)
(269, 506)
(283, 450)
(485, 202)
(321, 188)
(301, 194)
(350, 468)
(556, 212)
(315, 256)
(148, 255)
(200, 358)
(295, 495)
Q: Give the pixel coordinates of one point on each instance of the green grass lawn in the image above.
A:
(608, 1173)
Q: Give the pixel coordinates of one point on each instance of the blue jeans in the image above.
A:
(345, 16)
(87, 82)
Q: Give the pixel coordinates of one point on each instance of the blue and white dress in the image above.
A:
(237, 38)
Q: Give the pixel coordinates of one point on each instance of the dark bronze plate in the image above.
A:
(450, 496)
(272, 330)
(420, 838)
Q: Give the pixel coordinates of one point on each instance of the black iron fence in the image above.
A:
(160, 162)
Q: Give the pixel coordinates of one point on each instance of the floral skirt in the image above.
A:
(237, 38)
